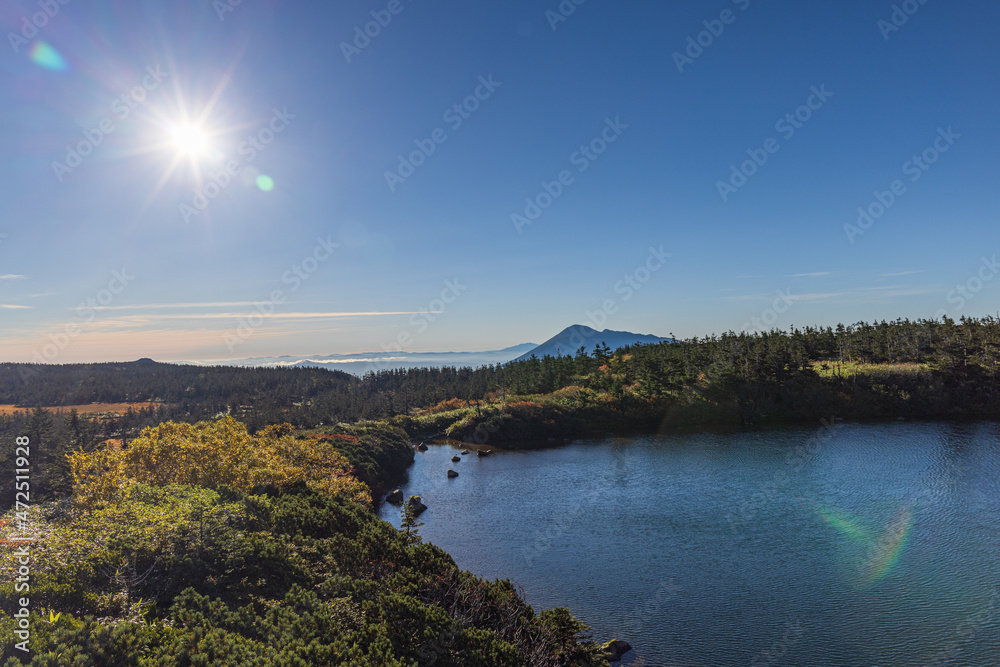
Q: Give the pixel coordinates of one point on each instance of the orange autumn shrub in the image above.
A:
(212, 454)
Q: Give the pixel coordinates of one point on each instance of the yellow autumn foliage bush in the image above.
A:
(211, 454)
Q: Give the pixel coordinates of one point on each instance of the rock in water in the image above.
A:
(394, 498)
(464, 452)
(616, 648)
(421, 447)
(452, 473)
(456, 459)
(417, 505)
(483, 452)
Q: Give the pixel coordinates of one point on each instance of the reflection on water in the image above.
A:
(861, 545)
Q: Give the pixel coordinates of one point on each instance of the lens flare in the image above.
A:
(871, 557)
(265, 183)
(890, 547)
(45, 56)
(845, 523)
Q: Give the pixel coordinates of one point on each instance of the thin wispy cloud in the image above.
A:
(900, 273)
(901, 290)
(817, 296)
(857, 295)
(10, 306)
(163, 306)
(188, 321)
(180, 327)
(13, 276)
(913, 292)
(272, 316)
(816, 274)
(746, 297)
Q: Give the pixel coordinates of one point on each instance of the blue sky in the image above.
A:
(305, 246)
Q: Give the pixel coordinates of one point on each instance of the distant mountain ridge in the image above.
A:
(565, 343)
(363, 362)
(569, 340)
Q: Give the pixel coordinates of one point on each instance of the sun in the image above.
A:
(189, 140)
(187, 137)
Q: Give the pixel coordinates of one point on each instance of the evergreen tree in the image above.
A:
(409, 524)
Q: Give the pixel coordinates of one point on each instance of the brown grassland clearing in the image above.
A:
(90, 409)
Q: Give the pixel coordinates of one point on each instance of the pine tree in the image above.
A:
(409, 524)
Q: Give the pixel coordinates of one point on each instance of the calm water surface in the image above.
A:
(857, 546)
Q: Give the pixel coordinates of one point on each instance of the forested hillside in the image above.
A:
(950, 352)
(207, 545)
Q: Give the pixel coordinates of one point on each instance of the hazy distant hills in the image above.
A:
(571, 339)
(566, 343)
(363, 362)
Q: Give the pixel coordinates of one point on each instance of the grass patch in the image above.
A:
(833, 369)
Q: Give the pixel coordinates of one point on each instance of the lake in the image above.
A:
(853, 545)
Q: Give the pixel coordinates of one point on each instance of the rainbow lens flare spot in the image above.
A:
(45, 56)
(844, 523)
(890, 547)
(872, 556)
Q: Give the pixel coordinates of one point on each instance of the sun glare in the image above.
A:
(187, 137)
(189, 140)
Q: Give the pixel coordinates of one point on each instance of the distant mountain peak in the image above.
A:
(572, 338)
